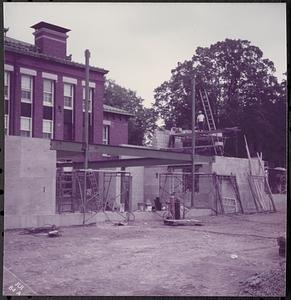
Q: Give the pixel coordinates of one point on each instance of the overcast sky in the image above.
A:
(140, 43)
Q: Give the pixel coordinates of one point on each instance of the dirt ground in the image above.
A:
(148, 258)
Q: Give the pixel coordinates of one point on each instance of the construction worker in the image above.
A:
(200, 120)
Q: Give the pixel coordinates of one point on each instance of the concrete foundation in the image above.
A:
(30, 172)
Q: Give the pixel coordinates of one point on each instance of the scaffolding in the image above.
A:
(105, 191)
(220, 193)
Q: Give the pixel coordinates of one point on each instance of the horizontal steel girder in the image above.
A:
(128, 151)
(131, 162)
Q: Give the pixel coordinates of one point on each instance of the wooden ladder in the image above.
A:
(210, 120)
(236, 191)
(65, 191)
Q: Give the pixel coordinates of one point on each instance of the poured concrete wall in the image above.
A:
(137, 195)
(151, 182)
(30, 176)
(240, 168)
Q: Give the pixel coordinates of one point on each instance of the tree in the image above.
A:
(241, 86)
(141, 126)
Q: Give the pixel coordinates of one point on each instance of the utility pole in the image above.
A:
(193, 141)
(86, 133)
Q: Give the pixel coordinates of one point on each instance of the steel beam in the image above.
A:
(127, 151)
(132, 162)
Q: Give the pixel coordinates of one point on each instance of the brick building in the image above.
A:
(45, 91)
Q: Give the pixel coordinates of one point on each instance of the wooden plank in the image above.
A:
(253, 193)
(267, 184)
(236, 190)
(248, 153)
(184, 222)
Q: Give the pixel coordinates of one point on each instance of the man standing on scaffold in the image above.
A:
(200, 120)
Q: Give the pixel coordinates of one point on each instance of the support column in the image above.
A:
(37, 106)
(98, 100)
(78, 112)
(59, 110)
(193, 141)
(16, 101)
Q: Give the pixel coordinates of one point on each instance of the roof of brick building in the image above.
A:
(21, 47)
(115, 110)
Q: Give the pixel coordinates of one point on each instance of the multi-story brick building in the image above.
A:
(45, 91)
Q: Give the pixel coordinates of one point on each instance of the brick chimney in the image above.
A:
(51, 39)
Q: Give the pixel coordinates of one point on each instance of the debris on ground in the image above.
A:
(182, 222)
(122, 223)
(42, 229)
(270, 283)
(54, 233)
(233, 256)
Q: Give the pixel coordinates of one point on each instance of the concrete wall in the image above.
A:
(30, 174)
(240, 168)
(151, 182)
(137, 174)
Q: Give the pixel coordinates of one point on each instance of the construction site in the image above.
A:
(160, 217)
(89, 210)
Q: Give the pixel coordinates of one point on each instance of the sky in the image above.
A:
(140, 43)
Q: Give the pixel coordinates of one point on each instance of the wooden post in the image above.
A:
(193, 142)
(86, 133)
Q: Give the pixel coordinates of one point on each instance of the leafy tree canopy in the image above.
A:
(142, 124)
(242, 89)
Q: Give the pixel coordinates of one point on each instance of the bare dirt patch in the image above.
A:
(216, 259)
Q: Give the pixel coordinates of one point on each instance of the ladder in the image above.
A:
(207, 110)
(236, 191)
(210, 121)
(64, 191)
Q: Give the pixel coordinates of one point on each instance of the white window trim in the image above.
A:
(73, 94)
(31, 91)
(69, 80)
(7, 128)
(8, 67)
(27, 118)
(91, 84)
(53, 96)
(107, 122)
(108, 141)
(28, 71)
(8, 74)
(90, 102)
(52, 133)
(49, 76)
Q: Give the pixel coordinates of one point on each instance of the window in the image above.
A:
(90, 99)
(48, 92)
(6, 85)
(26, 88)
(47, 129)
(106, 134)
(68, 96)
(6, 122)
(25, 126)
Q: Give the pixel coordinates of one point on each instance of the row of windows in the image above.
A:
(48, 100)
(47, 128)
(48, 92)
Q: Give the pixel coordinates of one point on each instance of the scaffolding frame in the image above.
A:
(99, 196)
(178, 184)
